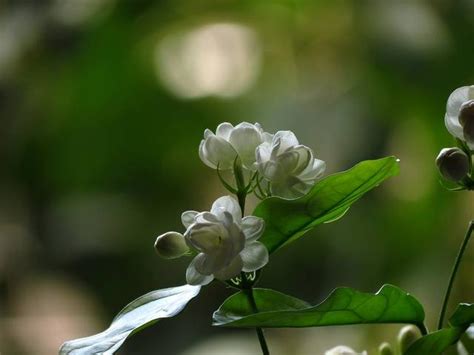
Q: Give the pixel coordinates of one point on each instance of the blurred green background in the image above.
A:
(103, 104)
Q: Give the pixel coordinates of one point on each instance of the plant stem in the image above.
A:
(247, 288)
(423, 329)
(261, 337)
(457, 262)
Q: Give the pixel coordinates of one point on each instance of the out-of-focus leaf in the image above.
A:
(437, 342)
(140, 313)
(343, 306)
(328, 200)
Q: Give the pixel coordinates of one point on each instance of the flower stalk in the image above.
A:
(247, 287)
(454, 271)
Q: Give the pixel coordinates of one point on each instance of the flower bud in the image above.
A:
(453, 164)
(343, 350)
(171, 245)
(407, 336)
(386, 349)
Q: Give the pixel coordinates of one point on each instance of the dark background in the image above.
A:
(103, 104)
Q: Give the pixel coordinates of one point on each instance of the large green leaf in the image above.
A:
(140, 313)
(328, 200)
(343, 306)
(437, 342)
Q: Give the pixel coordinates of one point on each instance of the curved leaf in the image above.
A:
(343, 306)
(437, 342)
(140, 313)
(328, 200)
(463, 315)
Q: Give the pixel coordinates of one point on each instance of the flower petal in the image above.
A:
(263, 153)
(203, 155)
(254, 256)
(207, 264)
(313, 171)
(453, 106)
(284, 189)
(287, 140)
(187, 218)
(217, 151)
(193, 277)
(457, 98)
(232, 270)
(206, 217)
(206, 237)
(224, 130)
(229, 204)
(245, 138)
(252, 227)
(453, 126)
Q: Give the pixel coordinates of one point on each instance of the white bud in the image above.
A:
(453, 164)
(171, 245)
(343, 350)
(386, 349)
(406, 337)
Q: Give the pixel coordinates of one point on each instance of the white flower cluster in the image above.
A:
(459, 116)
(224, 241)
(454, 163)
(286, 166)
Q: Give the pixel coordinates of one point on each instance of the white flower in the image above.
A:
(290, 167)
(226, 242)
(459, 118)
(229, 142)
(343, 350)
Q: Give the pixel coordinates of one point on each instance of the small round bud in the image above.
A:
(343, 350)
(453, 164)
(386, 349)
(407, 336)
(171, 245)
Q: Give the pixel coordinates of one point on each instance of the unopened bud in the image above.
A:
(171, 245)
(407, 336)
(453, 164)
(343, 350)
(386, 349)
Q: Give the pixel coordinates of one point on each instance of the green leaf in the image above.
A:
(463, 315)
(139, 314)
(437, 342)
(343, 306)
(328, 200)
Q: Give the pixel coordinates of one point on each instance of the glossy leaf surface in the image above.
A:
(328, 200)
(343, 306)
(140, 313)
(437, 342)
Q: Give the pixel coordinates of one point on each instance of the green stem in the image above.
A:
(423, 329)
(261, 337)
(454, 271)
(247, 288)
